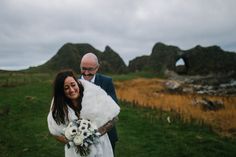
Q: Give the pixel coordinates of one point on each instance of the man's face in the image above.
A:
(88, 69)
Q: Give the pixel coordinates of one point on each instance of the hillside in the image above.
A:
(205, 60)
(197, 61)
(69, 56)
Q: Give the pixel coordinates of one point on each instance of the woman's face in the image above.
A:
(71, 88)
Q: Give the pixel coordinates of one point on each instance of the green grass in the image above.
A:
(11, 79)
(142, 132)
(24, 130)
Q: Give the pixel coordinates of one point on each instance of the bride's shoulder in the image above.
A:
(89, 86)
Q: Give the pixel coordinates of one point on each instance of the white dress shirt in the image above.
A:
(92, 80)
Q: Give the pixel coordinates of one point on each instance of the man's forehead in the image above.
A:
(89, 58)
(88, 62)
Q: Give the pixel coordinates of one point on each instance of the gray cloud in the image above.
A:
(33, 31)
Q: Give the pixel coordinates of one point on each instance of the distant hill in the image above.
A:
(205, 60)
(197, 61)
(69, 56)
(161, 58)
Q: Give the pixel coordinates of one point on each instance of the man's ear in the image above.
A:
(98, 67)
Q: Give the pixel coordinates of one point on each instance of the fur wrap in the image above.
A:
(97, 105)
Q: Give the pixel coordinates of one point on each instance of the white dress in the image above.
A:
(98, 107)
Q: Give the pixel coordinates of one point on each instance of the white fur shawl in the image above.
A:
(97, 105)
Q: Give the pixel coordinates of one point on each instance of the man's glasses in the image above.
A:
(88, 68)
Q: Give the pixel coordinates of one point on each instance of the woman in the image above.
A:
(75, 99)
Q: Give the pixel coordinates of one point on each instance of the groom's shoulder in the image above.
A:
(104, 77)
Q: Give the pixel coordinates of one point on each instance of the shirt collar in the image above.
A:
(92, 80)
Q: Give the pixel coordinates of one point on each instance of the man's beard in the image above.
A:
(87, 74)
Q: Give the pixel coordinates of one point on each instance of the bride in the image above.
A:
(74, 99)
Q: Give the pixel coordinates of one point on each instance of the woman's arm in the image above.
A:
(107, 127)
(61, 139)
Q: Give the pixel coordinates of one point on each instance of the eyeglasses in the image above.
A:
(88, 68)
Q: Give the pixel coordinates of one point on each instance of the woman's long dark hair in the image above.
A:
(60, 108)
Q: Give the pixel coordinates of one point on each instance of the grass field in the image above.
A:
(187, 106)
(142, 132)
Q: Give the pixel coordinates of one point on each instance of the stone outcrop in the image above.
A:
(196, 61)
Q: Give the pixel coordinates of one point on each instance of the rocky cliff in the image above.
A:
(196, 61)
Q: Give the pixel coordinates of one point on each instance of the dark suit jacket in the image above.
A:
(106, 84)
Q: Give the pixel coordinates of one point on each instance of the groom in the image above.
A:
(89, 66)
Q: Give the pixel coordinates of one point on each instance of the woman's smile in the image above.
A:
(71, 88)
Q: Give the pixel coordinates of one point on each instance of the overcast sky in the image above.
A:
(32, 31)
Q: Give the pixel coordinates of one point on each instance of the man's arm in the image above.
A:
(108, 126)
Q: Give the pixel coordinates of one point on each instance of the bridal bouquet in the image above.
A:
(82, 133)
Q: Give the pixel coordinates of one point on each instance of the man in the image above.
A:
(89, 66)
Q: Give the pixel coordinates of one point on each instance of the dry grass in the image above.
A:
(152, 93)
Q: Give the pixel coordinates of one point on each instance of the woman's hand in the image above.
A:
(61, 139)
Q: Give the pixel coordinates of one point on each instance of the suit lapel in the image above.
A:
(97, 80)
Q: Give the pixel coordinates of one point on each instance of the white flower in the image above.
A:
(78, 140)
(82, 133)
(71, 130)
